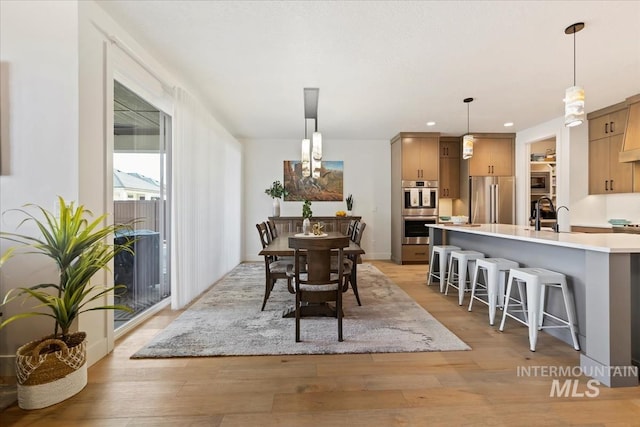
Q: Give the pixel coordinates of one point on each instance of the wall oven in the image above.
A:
(540, 182)
(420, 198)
(414, 230)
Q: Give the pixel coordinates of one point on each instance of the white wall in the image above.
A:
(39, 56)
(56, 127)
(572, 174)
(367, 172)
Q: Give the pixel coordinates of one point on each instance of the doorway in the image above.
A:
(142, 141)
(542, 178)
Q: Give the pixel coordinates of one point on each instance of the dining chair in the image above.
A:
(273, 231)
(316, 282)
(274, 269)
(351, 228)
(357, 238)
(359, 231)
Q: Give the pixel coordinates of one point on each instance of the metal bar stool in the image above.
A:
(536, 281)
(443, 252)
(460, 263)
(495, 272)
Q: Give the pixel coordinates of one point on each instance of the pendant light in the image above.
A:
(311, 148)
(467, 140)
(574, 95)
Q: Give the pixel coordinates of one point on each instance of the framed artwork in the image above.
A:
(327, 187)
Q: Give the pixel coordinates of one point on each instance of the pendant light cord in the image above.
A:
(574, 55)
(467, 118)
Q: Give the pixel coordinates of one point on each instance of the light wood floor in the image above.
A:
(477, 387)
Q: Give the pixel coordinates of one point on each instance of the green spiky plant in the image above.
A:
(78, 247)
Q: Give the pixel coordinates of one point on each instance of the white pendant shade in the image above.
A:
(574, 106)
(306, 157)
(574, 95)
(467, 146)
(317, 146)
(311, 149)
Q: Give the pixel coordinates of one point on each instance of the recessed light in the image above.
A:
(508, 124)
(431, 123)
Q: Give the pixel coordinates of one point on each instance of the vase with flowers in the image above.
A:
(306, 215)
(276, 191)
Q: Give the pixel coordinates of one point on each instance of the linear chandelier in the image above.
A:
(311, 149)
(467, 140)
(574, 95)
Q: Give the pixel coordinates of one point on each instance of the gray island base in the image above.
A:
(603, 271)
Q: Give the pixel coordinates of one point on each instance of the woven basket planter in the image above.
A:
(45, 379)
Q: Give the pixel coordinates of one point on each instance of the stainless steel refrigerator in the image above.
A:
(492, 200)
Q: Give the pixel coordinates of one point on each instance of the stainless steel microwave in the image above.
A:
(540, 182)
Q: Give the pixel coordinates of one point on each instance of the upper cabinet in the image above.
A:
(419, 156)
(493, 155)
(607, 175)
(449, 168)
(608, 124)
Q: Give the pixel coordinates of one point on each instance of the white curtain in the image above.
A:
(206, 208)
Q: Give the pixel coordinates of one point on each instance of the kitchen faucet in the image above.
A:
(556, 226)
(553, 210)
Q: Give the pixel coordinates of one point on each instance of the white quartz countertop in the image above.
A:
(601, 242)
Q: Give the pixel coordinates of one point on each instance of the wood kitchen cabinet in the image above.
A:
(414, 157)
(493, 155)
(449, 168)
(607, 175)
(608, 124)
(419, 156)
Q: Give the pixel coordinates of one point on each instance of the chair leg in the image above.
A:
(268, 286)
(534, 291)
(506, 303)
(297, 316)
(355, 292)
(339, 313)
(354, 280)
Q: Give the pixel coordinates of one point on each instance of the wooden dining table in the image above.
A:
(279, 247)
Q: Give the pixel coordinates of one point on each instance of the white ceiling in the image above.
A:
(389, 66)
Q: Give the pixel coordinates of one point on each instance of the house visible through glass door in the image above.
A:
(142, 136)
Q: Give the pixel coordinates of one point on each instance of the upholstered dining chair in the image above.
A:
(357, 238)
(273, 269)
(351, 228)
(358, 232)
(318, 283)
(273, 231)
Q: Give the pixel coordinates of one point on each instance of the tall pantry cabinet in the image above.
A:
(414, 157)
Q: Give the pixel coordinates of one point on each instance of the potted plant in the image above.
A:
(349, 201)
(54, 368)
(276, 191)
(306, 214)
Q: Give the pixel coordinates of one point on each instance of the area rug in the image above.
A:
(227, 321)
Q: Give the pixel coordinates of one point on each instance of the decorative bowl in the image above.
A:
(459, 219)
(445, 218)
(619, 222)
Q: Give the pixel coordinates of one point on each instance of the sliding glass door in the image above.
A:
(141, 172)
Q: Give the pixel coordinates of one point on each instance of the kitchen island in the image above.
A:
(603, 271)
